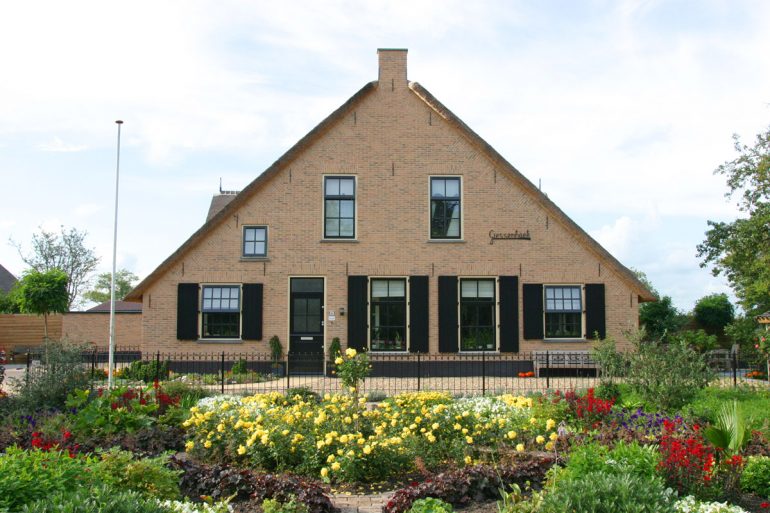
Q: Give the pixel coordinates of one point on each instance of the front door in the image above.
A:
(306, 326)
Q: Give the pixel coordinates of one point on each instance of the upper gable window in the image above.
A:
(255, 241)
(445, 208)
(339, 207)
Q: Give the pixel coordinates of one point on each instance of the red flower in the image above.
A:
(765, 505)
(114, 406)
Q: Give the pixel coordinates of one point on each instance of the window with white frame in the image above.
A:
(221, 311)
(445, 208)
(339, 207)
(387, 309)
(563, 311)
(254, 241)
(477, 315)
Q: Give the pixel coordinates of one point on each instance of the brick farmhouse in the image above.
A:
(395, 227)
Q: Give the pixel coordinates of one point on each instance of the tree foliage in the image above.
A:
(658, 319)
(740, 250)
(124, 282)
(714, 312)
(9, 302)
(43, 293)
(66, 251)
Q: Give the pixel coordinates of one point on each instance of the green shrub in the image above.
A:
(147, 371)
(239, 367)
(102, 499)
(291, 506)
(685, 369)
(624, 458)
(149, 476)
(756, 476)
(47, 385)
(601, 492)
(430, 505)
(28, 476)
(304, 393)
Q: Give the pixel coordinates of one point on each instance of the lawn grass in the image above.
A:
(755, 404)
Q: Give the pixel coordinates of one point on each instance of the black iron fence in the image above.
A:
(462, 373)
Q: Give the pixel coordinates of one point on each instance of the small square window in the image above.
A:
(255, 241)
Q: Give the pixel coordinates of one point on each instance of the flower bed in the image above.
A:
(339, 439)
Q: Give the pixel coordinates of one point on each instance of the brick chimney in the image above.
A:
(392, 67)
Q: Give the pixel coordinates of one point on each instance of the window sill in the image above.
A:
(219, 341)
(495, 352)
(255, 259)
(376, 351)
(339, 240)
(446, 241)
(565, 340)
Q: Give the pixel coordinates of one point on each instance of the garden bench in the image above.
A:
(561, 359)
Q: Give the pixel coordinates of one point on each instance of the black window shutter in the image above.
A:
(447, 314)
(533, 311)
(509, 314)
(418, 314)
(187, 311)
(357, 311)
(595, 317)
(252, 311)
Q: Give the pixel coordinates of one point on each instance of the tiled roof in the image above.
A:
(7, 280)
(120, 306)
(218, 202)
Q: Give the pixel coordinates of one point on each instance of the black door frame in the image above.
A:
(305, 366)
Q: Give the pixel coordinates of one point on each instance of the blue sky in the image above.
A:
(621, 109)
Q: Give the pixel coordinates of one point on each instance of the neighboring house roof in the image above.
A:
(218, 202)
(627, 275)
(763, 318)
(7, 280)
(120, 306)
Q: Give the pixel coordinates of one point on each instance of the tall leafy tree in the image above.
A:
(43, 293)
(713, 313)
(66, 251)
(124, 282)
(740, 250)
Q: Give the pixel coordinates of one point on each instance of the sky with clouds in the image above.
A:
(620, 109)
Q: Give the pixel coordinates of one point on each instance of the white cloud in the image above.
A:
(57, 145)
(617, 237)
(88, 209)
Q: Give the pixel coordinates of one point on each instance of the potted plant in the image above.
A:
(276, 354)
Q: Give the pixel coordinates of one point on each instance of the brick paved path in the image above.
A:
(361, 503)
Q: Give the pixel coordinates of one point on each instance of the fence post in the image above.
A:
(93, 365)
(26, 374)
(419, 371)
(223, 372)
(735, 368)
(484, 372)
(157, 367)
(547, 370)
(288, 383)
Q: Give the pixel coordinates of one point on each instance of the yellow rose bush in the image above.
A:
(339, 439)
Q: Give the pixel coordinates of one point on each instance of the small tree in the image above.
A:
(660, 318)
(66, 251)
(124, 282)
(43, 293)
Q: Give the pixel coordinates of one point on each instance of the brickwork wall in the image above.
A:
(392, 143)
(94, 328)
